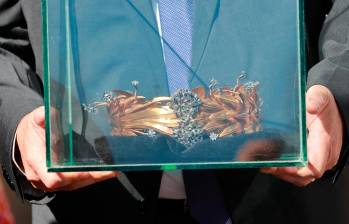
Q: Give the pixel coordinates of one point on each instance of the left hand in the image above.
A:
(31, 141)
(324, 139)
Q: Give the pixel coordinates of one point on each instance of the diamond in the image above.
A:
(150, 132)
(213, 136)
(107, 96)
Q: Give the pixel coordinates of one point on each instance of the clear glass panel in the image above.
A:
(110, 67)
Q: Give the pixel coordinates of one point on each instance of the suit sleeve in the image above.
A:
(20, 87)
(333, 69)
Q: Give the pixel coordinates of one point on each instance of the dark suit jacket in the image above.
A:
(253, 198)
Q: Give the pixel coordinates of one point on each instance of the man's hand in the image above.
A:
(31, 143)
(324, 140)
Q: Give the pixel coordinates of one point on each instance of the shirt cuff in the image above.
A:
(15, 156)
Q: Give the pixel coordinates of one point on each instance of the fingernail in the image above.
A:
(316, 104)
(319, 97)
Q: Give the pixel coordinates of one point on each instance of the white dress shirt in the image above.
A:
(172, 184)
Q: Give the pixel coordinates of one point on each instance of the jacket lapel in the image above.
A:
(144, 9)
(206, 13)
(339, 6)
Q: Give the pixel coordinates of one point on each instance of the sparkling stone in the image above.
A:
(107, 96)
(135, 83)
(251, 85)
(185, 103)
(213, 136)
(213, 85)
(151, 133)
(90, 108)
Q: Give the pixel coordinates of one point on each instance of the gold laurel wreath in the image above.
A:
(223, 111)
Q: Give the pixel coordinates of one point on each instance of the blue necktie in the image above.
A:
(176, 27)
(176, 16)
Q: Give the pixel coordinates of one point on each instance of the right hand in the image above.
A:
(32, 146)
(324, 139)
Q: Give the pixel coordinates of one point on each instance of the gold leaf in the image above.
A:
(234, 129)
(210, 126)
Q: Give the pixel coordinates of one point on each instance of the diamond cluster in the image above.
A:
(186, 105)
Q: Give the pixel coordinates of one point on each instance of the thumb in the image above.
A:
(39, 116)
(317, 98)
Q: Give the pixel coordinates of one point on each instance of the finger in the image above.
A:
(91, 178)
(75, 178)
(36, 148)
(63, 181)
(53, 181)
(319, 139)
(295, 180)
(325, 130)
(78, 185)
(39, 185)
(317, 98)
(36, 168)
(81, 179)
(291, 175)
(71, 180)
(319, 148)
(39, 116)
(32, 145)
(37, 123)
(96, 177)
(29, 173)
(269, 170)
(283, 170)
(292, 171)
(103, 175)
(332, 162)
(307, 172)
(288, 170)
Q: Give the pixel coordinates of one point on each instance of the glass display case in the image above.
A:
(127, 88)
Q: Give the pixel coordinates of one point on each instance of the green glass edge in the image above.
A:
(302, 80)
(169, 167)
(69, 167)
(139, 167)
(69, 78)
(45, 42)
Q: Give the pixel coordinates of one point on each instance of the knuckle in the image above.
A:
(304, 183)
(303, 173)
(332, 163)
(32, 177)
(52, 183)
(300, 184)
(317, 170)
(310, 181)
(318, 175)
